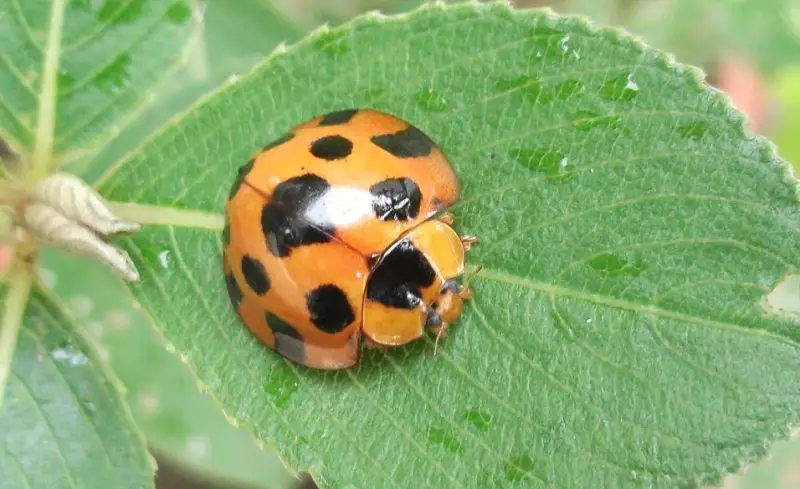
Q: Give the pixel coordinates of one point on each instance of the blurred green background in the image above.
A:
(750, 48)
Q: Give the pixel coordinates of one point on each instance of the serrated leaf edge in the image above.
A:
(580, 22)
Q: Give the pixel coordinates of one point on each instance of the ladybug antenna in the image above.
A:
(439, 335)
(475, 271)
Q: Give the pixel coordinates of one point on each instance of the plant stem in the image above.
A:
(46, 118)
(156, 215)
(11, 194)
(18, 290)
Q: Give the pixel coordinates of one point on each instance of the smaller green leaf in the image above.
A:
(63, 423)
(234, 38)
(88, 63)
(176, 418)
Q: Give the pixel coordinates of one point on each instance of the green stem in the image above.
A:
(18, 291)
(11, 194)
(156, 215)
(46, 119)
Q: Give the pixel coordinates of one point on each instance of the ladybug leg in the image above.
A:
(447, 218)
(468, 240)
(440, 332)
(464, 291)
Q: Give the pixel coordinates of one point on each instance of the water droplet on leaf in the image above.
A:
(615, 266)
(121, 11)
(88, 408)
(586, 120)
(65, 80)
(549, 162)
(281, 386)
(568, 89)
(114, 76)
(444, 439)
(620, 88)
(518, 467)
(693, 131)
(530, 87)
(70, 355)
(430, 101)
(179, 13)
(479, 419)
(332, 42)
(163, 259)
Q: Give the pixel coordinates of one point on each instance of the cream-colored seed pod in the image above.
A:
(51, 226)
(79, 202)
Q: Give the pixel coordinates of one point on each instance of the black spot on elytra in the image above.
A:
(255, 275)
(329, 309)
(396, 199)
(338, 117)
(332, 147)
(408, 143)
(278, 325)
(278, 142)
(398, 278)
(234, 292)
(240, 176)
(281, 218)
(288, 341)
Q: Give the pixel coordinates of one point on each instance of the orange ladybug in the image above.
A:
(337, 233)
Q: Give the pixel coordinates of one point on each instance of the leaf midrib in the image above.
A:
(46, 116)
(155, 215)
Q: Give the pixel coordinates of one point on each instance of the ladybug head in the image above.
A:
(447, 307)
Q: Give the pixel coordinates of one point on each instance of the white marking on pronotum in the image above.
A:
(79, 202)
(50, 225)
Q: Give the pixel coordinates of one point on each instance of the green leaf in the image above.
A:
(73, 71)
(616, 337)
(234, 37)
(178, 421)
(63, 423)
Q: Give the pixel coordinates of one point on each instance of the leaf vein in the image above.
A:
(17, 466)
(101, 441)
(26, 27)
(37, 409)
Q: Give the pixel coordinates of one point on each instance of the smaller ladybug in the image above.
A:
(338, 235)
